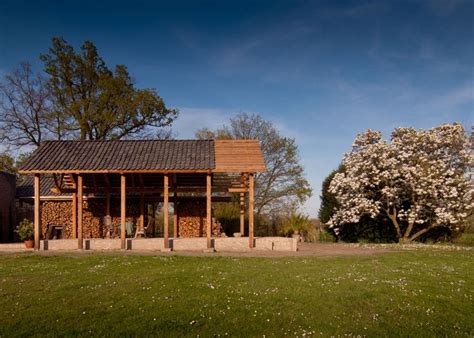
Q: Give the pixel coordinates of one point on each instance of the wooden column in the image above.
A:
(80, 197)
(208, 210)
(37, 212)
(175, 207)
(251, 210)
(175, 217)
(107, 214)
(107, 204)
(123, 213)
(166, 211)
(242, 214)
(74, 215)
(142, 211)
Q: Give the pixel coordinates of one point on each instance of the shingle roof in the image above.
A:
(115, 156)
(26, 187)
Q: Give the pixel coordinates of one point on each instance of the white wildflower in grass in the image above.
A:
(418, 180)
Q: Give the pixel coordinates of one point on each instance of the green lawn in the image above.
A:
(416, 293)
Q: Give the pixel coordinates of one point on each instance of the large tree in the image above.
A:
(77, 97)
(97, 102)
(283, 183)
(418, 180)
(26, 115)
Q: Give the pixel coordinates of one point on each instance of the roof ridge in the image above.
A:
(134, 140)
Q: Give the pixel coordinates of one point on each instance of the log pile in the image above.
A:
(192, 220)
(56, 213)
(60, 213)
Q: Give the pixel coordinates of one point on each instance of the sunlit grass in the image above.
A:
(416, 293)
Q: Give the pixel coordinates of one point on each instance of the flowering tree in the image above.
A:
(418, 180)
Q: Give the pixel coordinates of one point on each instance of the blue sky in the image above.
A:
(322, 71)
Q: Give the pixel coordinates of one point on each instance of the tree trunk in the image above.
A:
(393, 217)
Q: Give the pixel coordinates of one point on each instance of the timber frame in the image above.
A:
(180, 168)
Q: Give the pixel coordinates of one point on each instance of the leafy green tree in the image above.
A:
(328, 200)
(283, 184)
(7, 163)
(96, 102)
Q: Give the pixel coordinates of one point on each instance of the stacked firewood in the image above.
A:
(56, 213)
(192, 220)
(60, 213)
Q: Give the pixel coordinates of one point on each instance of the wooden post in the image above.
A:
(123, 213)
(80, 196)
(242, 214)
(166, 211)
(74, 215)
(107, 213)
(175, 216)
(142, 211)
(175, 207)
(37, 212)
(208, 210)
(107, 204)
(251, 210)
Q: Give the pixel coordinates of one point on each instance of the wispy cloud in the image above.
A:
(355, 11)
(192, 119)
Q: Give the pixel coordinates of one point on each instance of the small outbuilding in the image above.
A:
(104, 189)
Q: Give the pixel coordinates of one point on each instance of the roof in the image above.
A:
(238, 156)
(116, 156)
(145, 156)
(25, 189)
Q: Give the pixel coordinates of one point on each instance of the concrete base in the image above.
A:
(13, 247)
(220, 244)
(276, 244)
(102, 244)
(149, 244)
(232, 244)
(190, 244)
(59, 244)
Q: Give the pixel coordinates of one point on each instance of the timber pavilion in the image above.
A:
(144, 170)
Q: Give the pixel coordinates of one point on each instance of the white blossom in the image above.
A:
(418, 180)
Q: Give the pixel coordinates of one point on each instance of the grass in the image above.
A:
(415, 293)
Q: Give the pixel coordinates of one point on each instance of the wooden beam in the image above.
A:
(74, 215)
(242, 214)
(37, 212)
(208, 210)
(251, 210)
(94, 179)
(107, 204)
(166, 211)
(123, 213)
(80, 196)
(107, 181)
(152, 190)
(241, 190)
